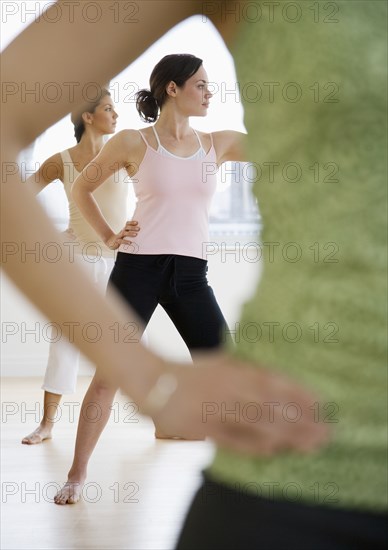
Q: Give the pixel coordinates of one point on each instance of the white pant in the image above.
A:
(63, 360)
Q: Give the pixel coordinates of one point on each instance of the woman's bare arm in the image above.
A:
(49, 171)
(115, 155)
(230, 146)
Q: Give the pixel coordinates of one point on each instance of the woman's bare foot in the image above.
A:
(70, 492)
(43, 431)
(161, 435)
(38, 436)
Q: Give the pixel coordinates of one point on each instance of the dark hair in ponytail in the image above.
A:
(76, 116)
(147, 106)
(174, 67)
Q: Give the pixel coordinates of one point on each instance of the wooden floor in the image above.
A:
(138, 489)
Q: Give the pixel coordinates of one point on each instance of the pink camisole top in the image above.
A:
(173, 200)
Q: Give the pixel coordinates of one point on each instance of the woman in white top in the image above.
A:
(86, 246)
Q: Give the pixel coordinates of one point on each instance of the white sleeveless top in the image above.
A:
(111, 198)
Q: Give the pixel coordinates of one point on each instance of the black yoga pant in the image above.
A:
(221, 518)
(179, 285)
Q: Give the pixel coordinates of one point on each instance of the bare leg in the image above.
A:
(43, 431)
(95, 412)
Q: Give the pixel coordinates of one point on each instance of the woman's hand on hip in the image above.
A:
(130, 229)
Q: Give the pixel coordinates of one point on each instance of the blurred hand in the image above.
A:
(242, 408)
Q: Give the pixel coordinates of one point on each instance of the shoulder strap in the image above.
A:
(143, 138)
(199, 141)
(156, 136)
(66, 158)
(68, 165)
(211, 140)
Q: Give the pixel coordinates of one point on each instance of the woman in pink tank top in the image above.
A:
(173, 168)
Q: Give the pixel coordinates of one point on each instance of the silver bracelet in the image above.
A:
(160, 393)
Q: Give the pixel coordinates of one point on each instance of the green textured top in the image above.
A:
(324, 211)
